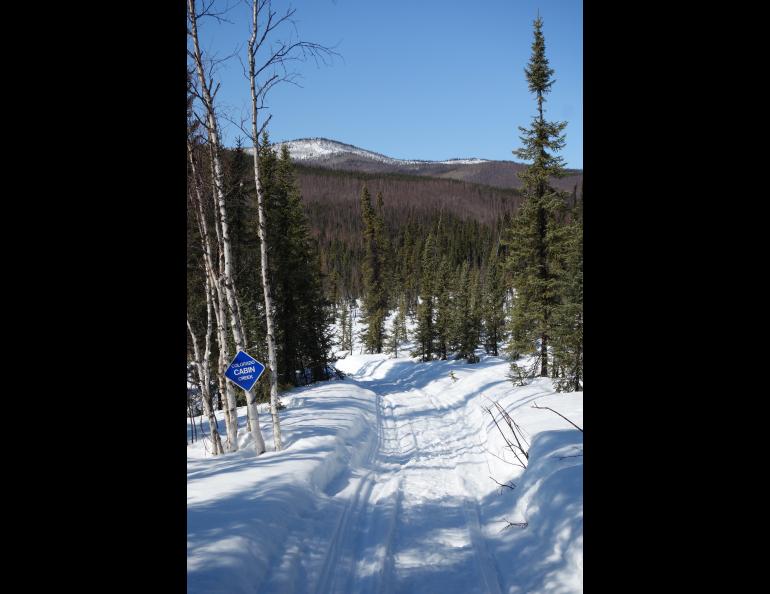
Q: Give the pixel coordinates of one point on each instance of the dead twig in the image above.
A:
(503, 459)
(565, 457)
(511, 485)
(514, 525)
(534, 405)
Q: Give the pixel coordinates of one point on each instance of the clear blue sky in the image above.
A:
(418, 79)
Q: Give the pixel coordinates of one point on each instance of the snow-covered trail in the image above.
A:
(384, 487)
(411, 522)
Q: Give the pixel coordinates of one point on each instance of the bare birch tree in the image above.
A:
(201, 363)
(272, 63)
(207, 92)
(217, 299)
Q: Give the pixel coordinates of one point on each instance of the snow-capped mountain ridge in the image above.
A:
(303, 149)
(323, 153)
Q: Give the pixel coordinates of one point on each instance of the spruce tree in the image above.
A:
(475, 314)
(242, 217)
(568, 317)
(534, 237)
(425, 332)
(493, 312)
(302, 314)
(443, 290)
(375, 300)
(346, 334)
(405, 280)
(465, 318)
(398, 332)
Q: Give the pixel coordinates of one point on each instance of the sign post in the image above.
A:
(244, 371)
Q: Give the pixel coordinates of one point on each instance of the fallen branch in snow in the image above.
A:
(534, 405)
(514, 427)
(511, 485)
(503, 459)
(514, 524)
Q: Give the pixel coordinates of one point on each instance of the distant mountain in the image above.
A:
(331, 154)
(323, 149)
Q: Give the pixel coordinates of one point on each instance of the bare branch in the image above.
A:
(267, 121)
(514, 525)
(512, 425)
(208, 12)
(511, 485)
(508, 442)
(573, 456)
(534, 405)
(240, 125)
(282, 52)
(503, 459)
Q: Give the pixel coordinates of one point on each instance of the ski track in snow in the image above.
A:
(413, 463)
(402, 515)
(441, 447)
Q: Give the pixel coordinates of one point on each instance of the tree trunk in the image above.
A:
(225, 387)
(577, 370)
(201, 366)
(272, 361)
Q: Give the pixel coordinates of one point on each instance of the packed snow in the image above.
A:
(385, 484)
(318, 148)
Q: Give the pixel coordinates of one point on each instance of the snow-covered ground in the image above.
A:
(385, 485)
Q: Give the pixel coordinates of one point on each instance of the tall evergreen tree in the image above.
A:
(301, 313)
(375, 299)
(568, 317)
(534, 237)
(346, 326)
(242, 218)
(475, 313)
(444, 311)
(425, 332)
(398, 331)
(493, 308)
(465, 318)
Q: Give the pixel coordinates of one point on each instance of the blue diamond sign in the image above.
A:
(244, 371)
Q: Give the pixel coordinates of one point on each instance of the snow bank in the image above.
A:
(240, 508)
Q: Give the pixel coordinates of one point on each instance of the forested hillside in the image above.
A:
(334, 155)
(472, 217)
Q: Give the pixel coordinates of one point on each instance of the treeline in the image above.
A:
(524, 286)
(521, 284)
(464, 219)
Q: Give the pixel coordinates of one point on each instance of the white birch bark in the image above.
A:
(227, 278)
(230, 404)
(218, 275)
(272, 362)
(202, 367)
(201, 364)
(215, 293)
